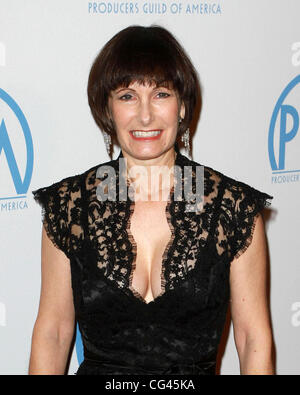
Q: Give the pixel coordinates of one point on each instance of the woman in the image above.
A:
(150, 280)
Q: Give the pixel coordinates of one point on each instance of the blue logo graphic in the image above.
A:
(79, 346)
(21, 186)
(282, 112)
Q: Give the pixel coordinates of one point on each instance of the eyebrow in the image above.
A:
(124, 89)
(133, 90)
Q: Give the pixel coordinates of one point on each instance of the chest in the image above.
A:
(151, 235)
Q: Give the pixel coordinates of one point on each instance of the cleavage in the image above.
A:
(151, 235)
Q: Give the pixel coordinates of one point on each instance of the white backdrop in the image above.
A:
(246, 52)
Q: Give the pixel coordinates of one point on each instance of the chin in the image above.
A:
(148, 155)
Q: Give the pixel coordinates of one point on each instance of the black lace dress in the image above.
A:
(179, 331)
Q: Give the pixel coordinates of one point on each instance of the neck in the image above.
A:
(151, 179)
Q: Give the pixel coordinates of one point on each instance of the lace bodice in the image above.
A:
(179, 331)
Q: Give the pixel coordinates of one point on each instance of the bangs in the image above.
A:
(144, 59)
(158, 78)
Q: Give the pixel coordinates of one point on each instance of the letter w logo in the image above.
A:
(21, 186)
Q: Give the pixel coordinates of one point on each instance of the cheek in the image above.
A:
(170, 113)
(119, 115)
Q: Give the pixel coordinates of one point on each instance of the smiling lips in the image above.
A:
(146, 135)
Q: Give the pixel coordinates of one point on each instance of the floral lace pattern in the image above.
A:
(181, 326)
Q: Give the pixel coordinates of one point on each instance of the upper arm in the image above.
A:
(248, 285)
(242, 207)
(56, 309)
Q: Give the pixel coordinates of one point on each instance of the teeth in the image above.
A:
(144, 134)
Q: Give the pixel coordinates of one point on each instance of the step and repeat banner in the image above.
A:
(247, 54)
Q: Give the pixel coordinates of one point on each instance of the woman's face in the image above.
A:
(149, 109)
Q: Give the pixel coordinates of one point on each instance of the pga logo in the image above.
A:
(286, 116)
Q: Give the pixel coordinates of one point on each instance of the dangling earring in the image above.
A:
(186, 139)
(107, 140)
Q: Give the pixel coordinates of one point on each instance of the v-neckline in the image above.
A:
(164, 255)
(133, 244)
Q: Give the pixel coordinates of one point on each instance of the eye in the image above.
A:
(165, 94)
(125, 97)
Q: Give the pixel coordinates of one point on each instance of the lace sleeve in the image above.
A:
(244, 203)
(54, 202)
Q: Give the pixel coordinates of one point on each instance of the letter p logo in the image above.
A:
(284, 112)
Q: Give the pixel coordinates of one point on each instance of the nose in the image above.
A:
(146, 113)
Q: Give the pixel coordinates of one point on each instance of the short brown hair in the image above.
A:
(142, 54)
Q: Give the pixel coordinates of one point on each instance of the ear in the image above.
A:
(182, 110)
